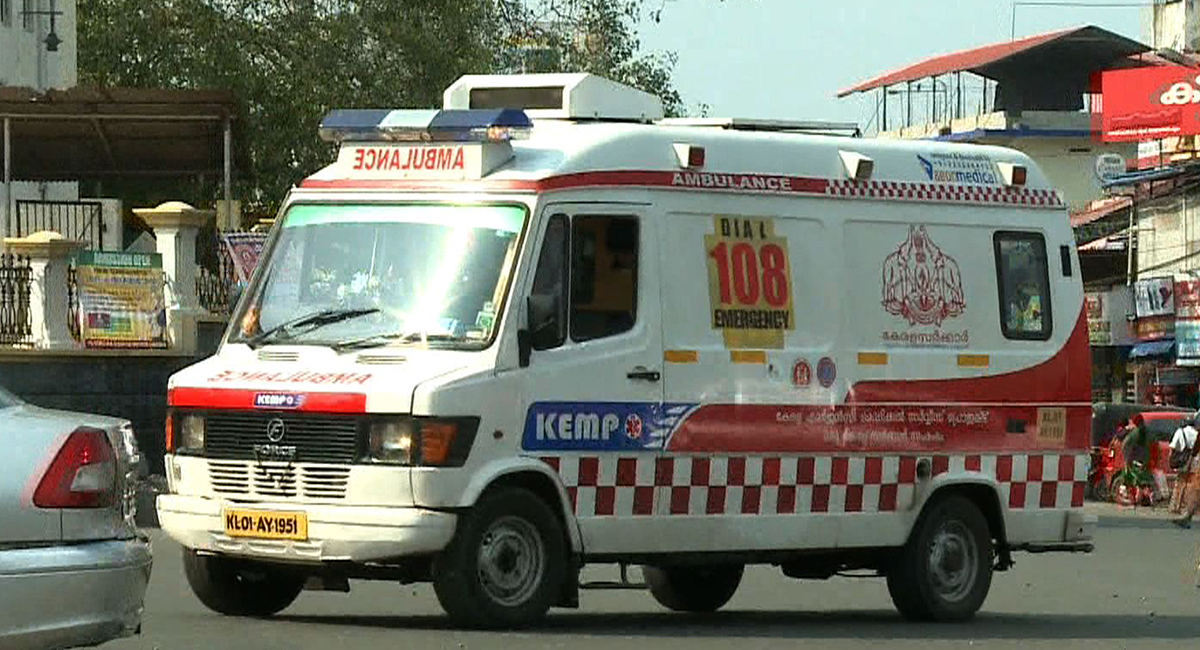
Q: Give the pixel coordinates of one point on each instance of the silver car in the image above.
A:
(73, 566)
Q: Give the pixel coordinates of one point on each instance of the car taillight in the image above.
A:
(82, 475)
(169, 442)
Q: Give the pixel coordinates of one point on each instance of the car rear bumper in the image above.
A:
(335, 532)
(72, 595)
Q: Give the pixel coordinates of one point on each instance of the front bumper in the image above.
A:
(72, 595)
(338, 533)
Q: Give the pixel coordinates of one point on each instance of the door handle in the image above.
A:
(642, 373)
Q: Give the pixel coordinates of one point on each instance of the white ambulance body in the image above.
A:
(485, 360)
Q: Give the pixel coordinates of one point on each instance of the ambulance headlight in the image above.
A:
(437, 442)
(190, 434)
(391, 441)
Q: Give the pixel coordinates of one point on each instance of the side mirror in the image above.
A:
(541, 331)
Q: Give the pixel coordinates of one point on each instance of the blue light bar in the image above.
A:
(374, 125)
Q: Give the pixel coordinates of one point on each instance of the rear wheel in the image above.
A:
(240, 588)
(693, 589)
(944, 572)
(506, 565)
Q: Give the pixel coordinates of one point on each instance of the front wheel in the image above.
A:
(240, 588)
(1124, 492)
(693, 589)
(506, 565)
(944, 572)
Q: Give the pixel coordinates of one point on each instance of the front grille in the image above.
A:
(277, 480)
(317, 438)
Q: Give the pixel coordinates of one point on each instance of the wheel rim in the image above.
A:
(511, 561)
(953, 561)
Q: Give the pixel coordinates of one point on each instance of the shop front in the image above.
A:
(1110, 333)
(1165, 360)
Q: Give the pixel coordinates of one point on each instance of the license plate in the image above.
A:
(261, 524)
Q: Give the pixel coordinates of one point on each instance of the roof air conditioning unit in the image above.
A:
(555, 96)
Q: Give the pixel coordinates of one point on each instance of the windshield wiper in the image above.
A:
(315, 320)
(380, 340)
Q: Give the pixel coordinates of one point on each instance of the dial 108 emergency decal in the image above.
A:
(749, 283)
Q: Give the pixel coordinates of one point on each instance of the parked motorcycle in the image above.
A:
(1133, 485)
(1106, 463)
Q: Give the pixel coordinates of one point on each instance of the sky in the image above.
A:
(787, 59)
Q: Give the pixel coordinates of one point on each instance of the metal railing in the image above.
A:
(16, 278)
(75, 220)
(215, 277)
(73, 304)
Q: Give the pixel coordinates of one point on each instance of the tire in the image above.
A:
(506, 565)
(944, 572)
(693, 589)
(240, 588)
(1123, 493)
(1103, 490)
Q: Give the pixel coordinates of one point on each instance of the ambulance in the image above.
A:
(543, 328)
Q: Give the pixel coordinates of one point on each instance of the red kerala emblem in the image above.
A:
(921, 283)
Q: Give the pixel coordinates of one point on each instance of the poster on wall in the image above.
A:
(1187, 323)
(121, 301)
(244, 249)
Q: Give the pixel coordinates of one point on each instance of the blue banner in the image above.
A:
(601, 426)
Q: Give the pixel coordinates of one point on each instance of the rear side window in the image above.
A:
(1024, 278)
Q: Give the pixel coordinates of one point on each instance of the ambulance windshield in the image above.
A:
(363, 275)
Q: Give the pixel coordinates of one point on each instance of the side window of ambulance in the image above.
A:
(549, 295)
(604, 271)
(1024, 275)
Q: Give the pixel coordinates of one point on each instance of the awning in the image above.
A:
(85, 134)
(1152, 349)
(1089, 49)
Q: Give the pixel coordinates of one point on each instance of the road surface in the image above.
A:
(1138, 590)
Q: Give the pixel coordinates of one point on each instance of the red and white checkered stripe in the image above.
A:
(931, 192)
(615, 485)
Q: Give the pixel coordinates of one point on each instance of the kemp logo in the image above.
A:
(601, 426)
(921, 283)
(278, 400)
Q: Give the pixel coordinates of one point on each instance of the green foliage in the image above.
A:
(289, 61)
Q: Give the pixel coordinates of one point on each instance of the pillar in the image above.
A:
(49, 256)
(176, 226)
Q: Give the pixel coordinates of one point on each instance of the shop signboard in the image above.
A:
(1108, 317)
(1149, 103)
(1154, 306)
(1187, 323)
(121, 301)
(1154, 297)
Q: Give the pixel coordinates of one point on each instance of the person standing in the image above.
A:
(1189, 477)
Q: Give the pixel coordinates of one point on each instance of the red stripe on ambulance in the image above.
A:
(230, 398)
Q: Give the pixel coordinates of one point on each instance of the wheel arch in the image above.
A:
(532, 475)
(984, 494)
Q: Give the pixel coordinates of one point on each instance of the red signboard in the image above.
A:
(1149, 103)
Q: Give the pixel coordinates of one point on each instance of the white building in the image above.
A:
(38, 50)
(27, 58)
